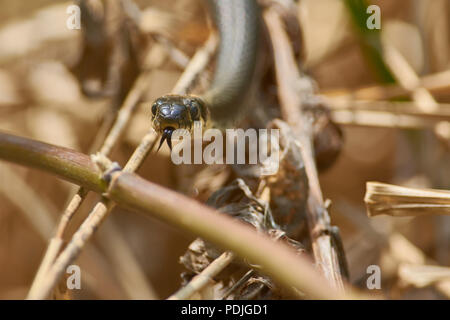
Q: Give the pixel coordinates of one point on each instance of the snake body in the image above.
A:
(238, 24)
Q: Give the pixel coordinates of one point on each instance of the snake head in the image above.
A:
(173, 112)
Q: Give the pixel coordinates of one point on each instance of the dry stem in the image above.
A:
(288, 76)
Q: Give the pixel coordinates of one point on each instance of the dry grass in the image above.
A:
(54, 90)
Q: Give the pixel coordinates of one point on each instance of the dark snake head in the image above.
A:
(173, 112)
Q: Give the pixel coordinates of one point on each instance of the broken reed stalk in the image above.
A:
(203, 278)
(326, 254)
(128, 190)
(195, 67)
(397, 201)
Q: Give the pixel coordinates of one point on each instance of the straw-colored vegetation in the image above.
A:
(363, 179)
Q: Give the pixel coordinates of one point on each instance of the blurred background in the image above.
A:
(59, 85)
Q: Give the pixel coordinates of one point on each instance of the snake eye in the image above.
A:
(194, 111)
(154, 109)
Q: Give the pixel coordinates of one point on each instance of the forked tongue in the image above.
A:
(166, 135)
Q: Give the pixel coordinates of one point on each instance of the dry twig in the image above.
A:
(288, 77)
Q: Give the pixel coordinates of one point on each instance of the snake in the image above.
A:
(237, 22)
